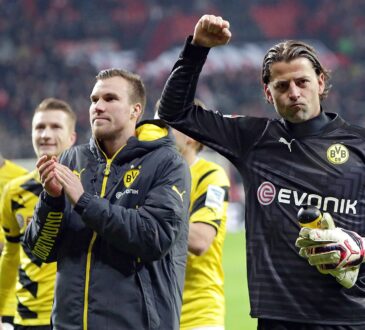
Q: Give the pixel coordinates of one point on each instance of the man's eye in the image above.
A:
(281, 86)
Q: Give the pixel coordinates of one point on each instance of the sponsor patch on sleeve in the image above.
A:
(215, 197)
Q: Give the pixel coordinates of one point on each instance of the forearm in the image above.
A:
(180, 88)
(42, 233)
(147, 233)
(201, 236)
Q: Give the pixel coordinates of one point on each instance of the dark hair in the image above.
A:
(137, 91)
(57, 104)
(289, 50)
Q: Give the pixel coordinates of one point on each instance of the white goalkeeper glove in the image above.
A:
(333, 250)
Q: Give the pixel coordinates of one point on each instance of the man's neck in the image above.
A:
(190, 157)
(111, 146)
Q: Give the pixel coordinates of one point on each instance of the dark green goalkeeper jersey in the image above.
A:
(320, 162)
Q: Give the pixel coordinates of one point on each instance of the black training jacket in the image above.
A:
(121, 251)
(319, 162)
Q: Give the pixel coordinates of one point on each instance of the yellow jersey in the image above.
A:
(203, 296)
(35, 284)
(9, 171)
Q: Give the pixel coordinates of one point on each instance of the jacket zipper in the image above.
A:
(89, 250)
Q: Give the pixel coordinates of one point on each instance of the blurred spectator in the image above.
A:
(54, 48)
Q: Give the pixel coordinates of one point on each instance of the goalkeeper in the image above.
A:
(307, 156)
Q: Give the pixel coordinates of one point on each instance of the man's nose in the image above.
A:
(100, 106)
(46, 133)
(294, 91)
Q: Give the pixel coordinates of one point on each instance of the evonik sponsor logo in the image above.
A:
(120, 194)
(267, 193)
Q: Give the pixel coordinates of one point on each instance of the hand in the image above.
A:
(331, 248)
(70, 182)
(346, 276)
(46, 168)
(211, 31)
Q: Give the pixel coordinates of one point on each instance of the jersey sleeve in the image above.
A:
(210, 198)
(10, 257)
(231, 136)
(9, 224)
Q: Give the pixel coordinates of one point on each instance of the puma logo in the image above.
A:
(283, 140)
(350, 248)
(78, 174)
(178, 192)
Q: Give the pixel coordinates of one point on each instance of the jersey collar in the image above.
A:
(313, 126)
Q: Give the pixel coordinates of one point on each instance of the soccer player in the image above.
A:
(114, 216)
(8, 171)
(203, 298)
(53, 131)
(308, 156)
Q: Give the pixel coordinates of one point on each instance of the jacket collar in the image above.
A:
(150, 135)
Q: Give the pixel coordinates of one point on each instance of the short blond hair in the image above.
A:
(57, 104)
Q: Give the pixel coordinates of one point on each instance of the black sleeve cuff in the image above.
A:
(57, 203)
(82, 202)
(193, 52)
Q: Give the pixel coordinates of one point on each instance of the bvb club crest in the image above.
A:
(337, 154)
(130, 176)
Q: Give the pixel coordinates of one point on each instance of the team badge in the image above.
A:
(20, 220)
(215, 197)
(337, 154)
(130, 176)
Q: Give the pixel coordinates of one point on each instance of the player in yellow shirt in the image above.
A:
(203, 298)
(8, 171)
(53, 131)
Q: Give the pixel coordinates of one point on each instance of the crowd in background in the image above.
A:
(43, 46)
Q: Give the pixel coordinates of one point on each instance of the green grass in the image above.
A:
(237, 303)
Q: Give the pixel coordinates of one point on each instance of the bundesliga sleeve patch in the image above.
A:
(215, 197)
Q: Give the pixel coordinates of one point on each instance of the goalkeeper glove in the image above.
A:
(332, 250)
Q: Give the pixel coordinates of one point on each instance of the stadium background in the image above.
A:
(55, 48)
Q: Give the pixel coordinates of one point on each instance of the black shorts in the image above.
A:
(265, 324)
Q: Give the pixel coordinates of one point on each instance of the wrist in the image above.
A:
(194, 51)
(57, 202)
(82, 202)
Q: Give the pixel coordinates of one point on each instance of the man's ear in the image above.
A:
(136, 111)
(268, 95)
(189, 140)
(321, 83)
(73, 138)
